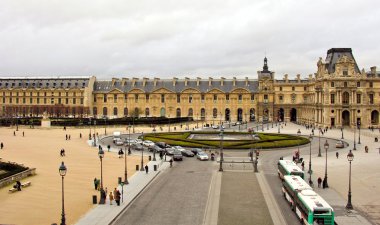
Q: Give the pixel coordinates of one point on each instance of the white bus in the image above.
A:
(288, 167)
(309, 206)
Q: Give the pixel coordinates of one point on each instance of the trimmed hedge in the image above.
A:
(266, 140)
(10, 169)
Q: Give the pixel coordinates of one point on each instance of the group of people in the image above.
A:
(62, 152)
(115, 195)
(68, 137)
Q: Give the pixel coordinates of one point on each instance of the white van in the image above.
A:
(116, 136)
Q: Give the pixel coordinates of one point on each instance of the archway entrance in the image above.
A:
(375, 117)
(252, 114)
(293, 115)
(346, 118)
(281, 114)
(227, 115)
(240, 115)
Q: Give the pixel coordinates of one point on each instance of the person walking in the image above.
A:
(111, 197)
(69, 136)
(303, 165)
(117, 196)
(337, 154)
(171, 162)
(319, 182)
(2, 145)
(366, 149)
(96, 183)
(146, 169)
(23, 134)
(80, 135)
(66, 137)
(14, 133)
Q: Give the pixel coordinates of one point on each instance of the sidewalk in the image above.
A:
(363, 182)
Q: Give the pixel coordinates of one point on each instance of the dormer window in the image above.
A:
(345, 72)
(293, 88)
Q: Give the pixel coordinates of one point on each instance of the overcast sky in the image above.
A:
(167, 38)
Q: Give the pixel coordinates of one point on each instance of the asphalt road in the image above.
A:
(178, 196)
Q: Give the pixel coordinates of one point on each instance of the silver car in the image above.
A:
(339, 144)
(202, 156)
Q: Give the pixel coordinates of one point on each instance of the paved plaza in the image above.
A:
(228, 195)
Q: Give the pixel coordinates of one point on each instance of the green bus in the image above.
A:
(310, 208)
(288, 167)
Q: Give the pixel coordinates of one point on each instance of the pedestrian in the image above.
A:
(117, 196)
(23, 134)
(18, 185)
(108, 147)
(303, 165)
(337, 154)
(80, 135)
(14, 133)
(66, 137)
(319, 182)
(69, 136)
(161, 155)
(146, 169)
(64, 127)
(171, 162)
(111, 197)
(366, 149)
(2, 145)
(96, 183)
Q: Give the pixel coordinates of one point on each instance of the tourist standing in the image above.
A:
(96, 183)
(146, 169)
(2, 145)
(111, 197)
(319, 182)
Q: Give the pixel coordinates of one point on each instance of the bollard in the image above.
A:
(150, 158)
(155, 167)
(137, 168)
(119, 180)
(94, 199)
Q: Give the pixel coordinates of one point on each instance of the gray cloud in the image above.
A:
(180, 38)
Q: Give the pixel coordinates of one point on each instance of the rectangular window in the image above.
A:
(358, 98)
(81, 101)
(136, 98)
(370, 98)
(293, 88)
(67, 101)
(358, 84)
(178, 98)
(94, 98)
(162, 98)
(52, 101)
(215, 97)
(202, 97)
(23, 100)
(280, 98)
(115, 98)
(4, 100)
(252, 97)
(74, 101)
(190, 98)
(332, 98)
(332, 84)
(44, 100)
(266, 97)
(371, 84)
(104, 98)
(147, 97)
(10, 100)
(227, 97)
(280, 88)
(59, 101)
(126, 97)
(304, 88)
(31, 100)
(345, 72)
(16, 100)
(38, 100)
(240, 97)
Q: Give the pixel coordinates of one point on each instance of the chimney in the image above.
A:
(155, 81)
(298, 78)
(186, 81)
(114, 81)
(246, 81)
(144, 81)
(373, 70)
(124, 81)
(175, 79)
(198, 81)
(222, 81)
(286, 77)
(210, 81)
(134, 80)
(234, 81)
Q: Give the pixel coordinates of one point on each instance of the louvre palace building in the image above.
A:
(337, 94)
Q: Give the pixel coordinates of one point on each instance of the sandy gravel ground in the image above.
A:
(41, 202)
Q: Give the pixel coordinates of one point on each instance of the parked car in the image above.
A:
(196, 150)
(148, 143)
(180, 148)
(339, 144)
(187, 153)
(177, 155)
(118, 142)
(131, 141)
(170, 151)
(202, 156)
(162, 145)
(137, 146)
(139, 141)
(215, 127)
(155, 148)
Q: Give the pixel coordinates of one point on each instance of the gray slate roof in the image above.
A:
(334, 54)
(41, 82)
(106, 86)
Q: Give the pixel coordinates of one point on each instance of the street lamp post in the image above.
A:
(122, 191)
(298, 146)
(62, 172)
(359, 132)
(105, 125)
(125, 155)
(341, 129)
(310, 171)
(325, 184)
(142, 156)
(354, 138)
(102, 194)
(197, 119)
(221, 151)
(350, 157)
(262, 125)
(319, 150)
(89, 124)
(94, 132)
(169, 122)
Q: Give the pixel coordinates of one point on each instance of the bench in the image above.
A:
(26, 184)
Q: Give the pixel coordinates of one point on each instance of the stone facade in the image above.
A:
(338, 94)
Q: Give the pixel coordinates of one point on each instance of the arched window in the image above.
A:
(115, 111)
(214, 113)
(190, 112)
(126, 111)
(105, 111)
(95, 111)
(146, 112)
(346, 98)
(178, 112)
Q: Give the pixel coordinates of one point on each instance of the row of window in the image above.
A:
(38, 101)
(358, 84)
(190, 99)
(76, 84)
(346, 98)
(45, 94)
(294, 88)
